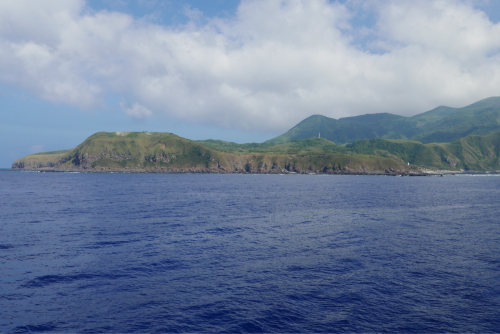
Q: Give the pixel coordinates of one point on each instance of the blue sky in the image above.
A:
(237, 71)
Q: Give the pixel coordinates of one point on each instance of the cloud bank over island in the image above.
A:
(269, 66)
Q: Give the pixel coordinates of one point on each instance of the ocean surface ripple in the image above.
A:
(93, 253)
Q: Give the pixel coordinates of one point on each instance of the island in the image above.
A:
(445, 139)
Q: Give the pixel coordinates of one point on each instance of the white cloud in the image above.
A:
(451, 28)
(137, 111)
(273, 64)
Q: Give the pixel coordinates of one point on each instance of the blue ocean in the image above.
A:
(170, 253)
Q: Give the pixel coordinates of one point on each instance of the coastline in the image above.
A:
(195, 170)
(167, 170)
(346, 171)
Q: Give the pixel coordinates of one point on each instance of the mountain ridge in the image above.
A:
(441, 124)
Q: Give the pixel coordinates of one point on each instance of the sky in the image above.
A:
(241, 71)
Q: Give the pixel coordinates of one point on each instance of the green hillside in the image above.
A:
(476, 153)
(305, 146)
(125, 150)
(343, 130)
(444, 138)
(141, 151)
(440, 125)
(471, 153)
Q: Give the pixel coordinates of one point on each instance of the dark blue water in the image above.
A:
(248, 253)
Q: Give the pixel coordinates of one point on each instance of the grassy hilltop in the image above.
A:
(124, 150)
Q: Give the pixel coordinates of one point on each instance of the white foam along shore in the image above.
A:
(459, 172)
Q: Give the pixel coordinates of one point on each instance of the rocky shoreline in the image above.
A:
(221, 170)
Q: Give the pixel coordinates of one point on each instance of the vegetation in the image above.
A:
(478, 153)
(146, 151)
(305, 146)
(126, 150)
(440, 125)
(443, 138)
(141, 150)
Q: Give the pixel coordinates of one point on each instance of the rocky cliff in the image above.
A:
(165, 152)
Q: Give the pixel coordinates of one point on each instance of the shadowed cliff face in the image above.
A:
(44, 160)
(225, 163)
(87, 160)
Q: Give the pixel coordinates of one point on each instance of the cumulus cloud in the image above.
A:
(137, 111)
(268, 67)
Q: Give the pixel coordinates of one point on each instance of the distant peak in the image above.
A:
(488, 101)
